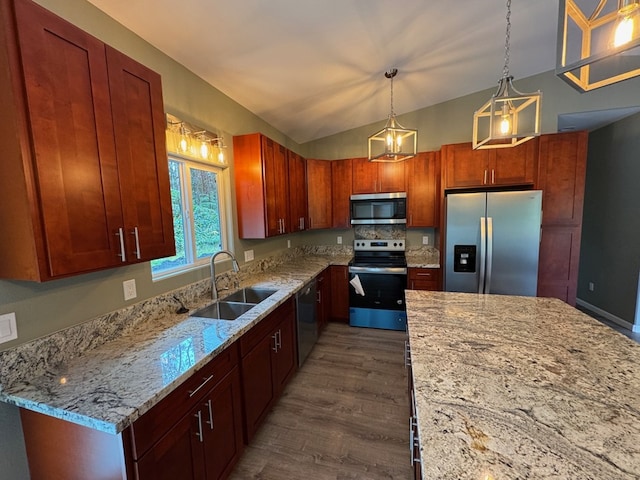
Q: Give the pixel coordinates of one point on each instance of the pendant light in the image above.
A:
(510, 117)
(598, 48)
(393, 143)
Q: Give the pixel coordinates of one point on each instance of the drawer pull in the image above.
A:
(424, 274)
(192, 393)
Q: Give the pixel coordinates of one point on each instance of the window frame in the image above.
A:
(186, 163)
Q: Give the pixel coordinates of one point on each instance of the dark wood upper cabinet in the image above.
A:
(378, 177)
(319, 193)
(423, 192)
(75, 125)
(262, 186)
(561, 176)
(464, 167)
(341, 184)
(298, 215)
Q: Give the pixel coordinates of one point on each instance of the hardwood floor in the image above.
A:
(343, 416)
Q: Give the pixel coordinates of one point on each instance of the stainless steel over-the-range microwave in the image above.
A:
(379, 208)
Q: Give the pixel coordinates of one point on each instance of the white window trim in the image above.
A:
(224, 199)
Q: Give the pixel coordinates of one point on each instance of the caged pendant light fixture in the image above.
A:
(393, 143)
(598, 42)
(510, 117)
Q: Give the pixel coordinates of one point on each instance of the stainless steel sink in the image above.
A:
(250, 295)
(224, 310)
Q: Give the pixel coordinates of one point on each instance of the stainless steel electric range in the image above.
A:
(378, 278)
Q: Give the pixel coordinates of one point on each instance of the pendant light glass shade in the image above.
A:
(598, 42)
(393, 143)
(510, 117)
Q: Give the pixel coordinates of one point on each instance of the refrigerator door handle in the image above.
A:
(483, 248)
(487, 287)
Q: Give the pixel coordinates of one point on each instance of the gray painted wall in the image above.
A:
(610, 253)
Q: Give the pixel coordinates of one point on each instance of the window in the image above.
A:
(198, 223)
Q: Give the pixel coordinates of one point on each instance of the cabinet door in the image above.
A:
(284, 360)
(339, 293)
(275, 191)
(561, 176)
(319, 193)
(423, 190)
(341, 182)
(222, 425)
(391, 177)
(136, 102)
(464, 167)
(297, 192)
(365, 176)
(257, 384)
(514, 165)
(68, 103)
(323, 286)
(179, 454)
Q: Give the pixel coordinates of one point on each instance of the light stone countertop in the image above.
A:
(110, 386)
(521, 388)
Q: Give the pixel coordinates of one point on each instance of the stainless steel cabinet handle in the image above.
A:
(122, 254)
(210, 422)
(424, 274)
(414, 442)
(493, 176)
(484, 182)
(134, 232)
(192, 393)
(275, 342)
(199, 432)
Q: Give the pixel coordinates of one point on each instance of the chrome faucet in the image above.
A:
(236, 268)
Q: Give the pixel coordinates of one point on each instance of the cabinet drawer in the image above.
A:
(423, 279)
(152, 425)
(264, 327)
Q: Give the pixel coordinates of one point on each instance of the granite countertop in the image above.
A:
(110, 386)
(521, 388)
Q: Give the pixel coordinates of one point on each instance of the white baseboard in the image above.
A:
(608, 316)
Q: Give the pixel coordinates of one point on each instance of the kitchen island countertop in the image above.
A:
(521, 388)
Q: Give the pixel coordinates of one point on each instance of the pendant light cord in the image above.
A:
(505, 70)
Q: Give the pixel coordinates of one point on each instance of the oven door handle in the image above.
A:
(379, 270)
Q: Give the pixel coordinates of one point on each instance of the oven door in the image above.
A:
(382, 305)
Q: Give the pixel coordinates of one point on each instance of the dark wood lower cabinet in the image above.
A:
(269, 356)
(339, 293)
(423, 278)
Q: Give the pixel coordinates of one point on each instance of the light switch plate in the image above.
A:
(8, 330)
(339, 240)
(288, 243)
(129, 287)
(425, 240)
(248, 255)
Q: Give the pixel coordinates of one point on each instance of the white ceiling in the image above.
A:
(312, 68)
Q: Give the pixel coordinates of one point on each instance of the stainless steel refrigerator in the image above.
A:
(492, 242)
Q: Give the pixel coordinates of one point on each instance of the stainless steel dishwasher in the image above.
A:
(306, 319)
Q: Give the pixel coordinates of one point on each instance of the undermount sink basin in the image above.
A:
(224, 310)
(250, 295)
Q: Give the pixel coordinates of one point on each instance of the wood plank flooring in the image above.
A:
(344, 415)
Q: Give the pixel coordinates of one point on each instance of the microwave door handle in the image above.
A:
(483, 249)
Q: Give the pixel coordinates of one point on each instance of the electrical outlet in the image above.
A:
(592, 286)
(129, 287)
(425, 240)
(8, 330)
(248, 255)
(288, 243)
(339, 240)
